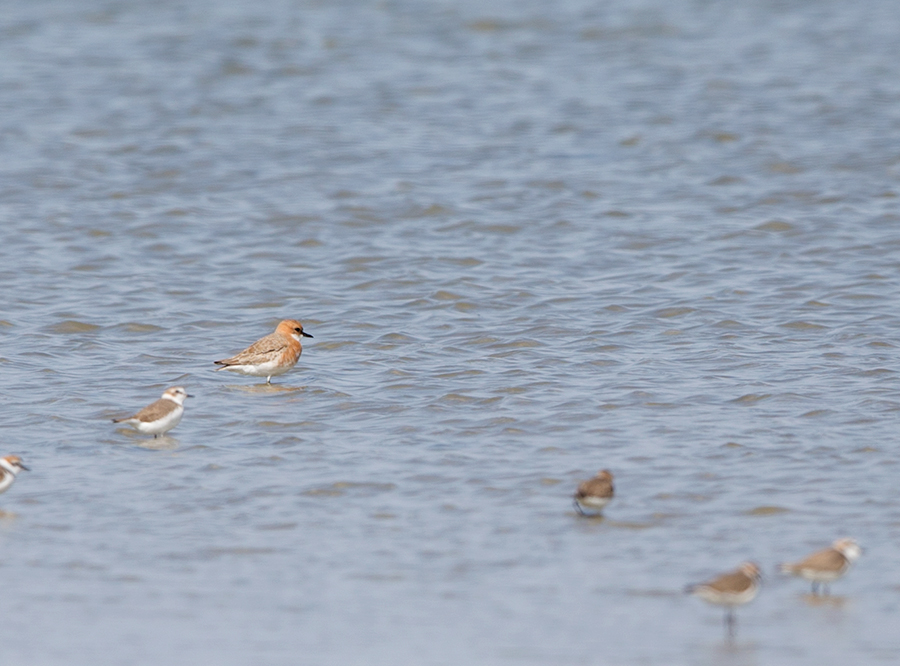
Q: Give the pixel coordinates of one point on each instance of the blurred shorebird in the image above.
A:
(9, 467)
(731, 589)
(594, 494)
(825, 566)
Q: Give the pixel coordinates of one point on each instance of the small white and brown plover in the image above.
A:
(594, 494)
(270, 356)
(9, 467)
(825, 566)
(731, 589)
(161, 416)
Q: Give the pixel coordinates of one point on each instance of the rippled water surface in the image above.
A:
(532, 240)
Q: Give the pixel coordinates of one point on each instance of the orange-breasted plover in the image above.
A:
(731, 589)
(161, 416)
(594, 494)
(9, 467)
(825, 566)
(270, 356)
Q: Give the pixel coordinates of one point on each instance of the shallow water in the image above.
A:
(532, 240)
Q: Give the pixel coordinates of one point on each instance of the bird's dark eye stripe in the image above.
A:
(298, 329)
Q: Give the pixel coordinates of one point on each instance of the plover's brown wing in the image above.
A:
(733, 583)
(595, 488)
(824, 560)
(259, 352)
(152, 412)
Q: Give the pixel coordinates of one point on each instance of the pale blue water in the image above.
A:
(532, 240)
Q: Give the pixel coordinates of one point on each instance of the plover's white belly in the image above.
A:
(593, 505)
(819, 576)
(162, 425)
(727, 598)
(268, 369)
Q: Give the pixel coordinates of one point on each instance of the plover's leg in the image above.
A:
(269, 380)
(815, 587)
(578, 507)
(730, 622)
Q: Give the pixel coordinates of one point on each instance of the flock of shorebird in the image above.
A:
(740, 586)
(278, 352)
(268, 357)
